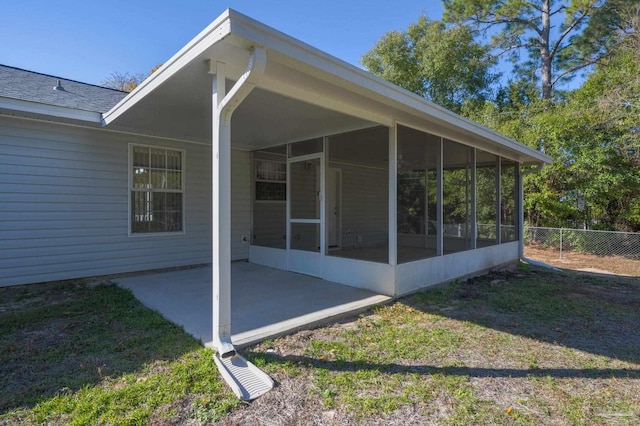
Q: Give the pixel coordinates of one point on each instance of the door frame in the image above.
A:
(300, 261)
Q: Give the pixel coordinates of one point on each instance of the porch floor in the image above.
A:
(265, 302)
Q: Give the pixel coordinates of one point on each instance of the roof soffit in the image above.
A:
(383, 101)
(297, 71)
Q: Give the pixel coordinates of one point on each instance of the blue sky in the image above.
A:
(88, 40)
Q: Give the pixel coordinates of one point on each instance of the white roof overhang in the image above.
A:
(47, 112)
(303, 93)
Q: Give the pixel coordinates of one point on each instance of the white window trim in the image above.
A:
(255, 180)
(130, 189)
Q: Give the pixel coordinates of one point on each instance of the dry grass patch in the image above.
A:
(587, 262)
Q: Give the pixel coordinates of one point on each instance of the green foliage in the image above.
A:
(602, 34)
(486, 196)
(549, 39)
(593, 180)
(594, 139)
(455, 199)
(438, 61)
(593, 133)
(411, 200)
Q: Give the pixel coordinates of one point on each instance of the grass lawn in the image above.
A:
(524, 347)
(81, 354)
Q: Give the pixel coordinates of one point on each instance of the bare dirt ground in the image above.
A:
(616, 265)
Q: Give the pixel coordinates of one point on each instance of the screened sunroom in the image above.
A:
(327, 206)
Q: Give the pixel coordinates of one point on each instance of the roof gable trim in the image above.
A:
(29, 107)
(216, 31)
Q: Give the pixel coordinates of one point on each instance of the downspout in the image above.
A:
(522, 174)
(221, 203)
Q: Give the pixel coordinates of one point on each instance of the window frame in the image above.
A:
(256, 180)
(131, 189)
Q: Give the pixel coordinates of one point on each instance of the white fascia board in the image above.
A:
(40, 109)
(334, 70)
(216, 31)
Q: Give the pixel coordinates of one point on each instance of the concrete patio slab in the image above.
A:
(265, 302)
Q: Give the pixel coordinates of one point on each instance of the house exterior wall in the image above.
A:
(269, 217)
(64, 197)
(269, 223)
(240, 203)
(364, 205)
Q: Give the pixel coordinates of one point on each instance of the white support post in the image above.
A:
(288, 209)
(426, 153)
(520, 213)
(246, 381)
(474, 198)
(499, 200)
(516, 196)
(560, 243)
(521, 175)
(221, 216)
(440, 220)
(393, 196)
(325, 191)
(425, 240)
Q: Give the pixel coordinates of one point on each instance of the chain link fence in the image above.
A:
(603, 248)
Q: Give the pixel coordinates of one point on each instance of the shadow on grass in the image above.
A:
(602, 275)
(595, 314)
(57, 338)
(351, 366)
(586, 313)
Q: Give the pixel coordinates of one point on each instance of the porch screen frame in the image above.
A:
(320, 156)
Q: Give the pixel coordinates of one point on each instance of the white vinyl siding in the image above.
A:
(64, 198)
(240, 204)
(269, 225)
(365, 206)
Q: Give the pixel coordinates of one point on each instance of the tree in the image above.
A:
(593, 181)
(559, 38)
(443, 63)
(126, 82)
(621, 74)
(611, 96)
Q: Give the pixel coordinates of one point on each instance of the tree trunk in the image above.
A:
(545, 54)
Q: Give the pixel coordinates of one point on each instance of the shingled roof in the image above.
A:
(31, 86)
